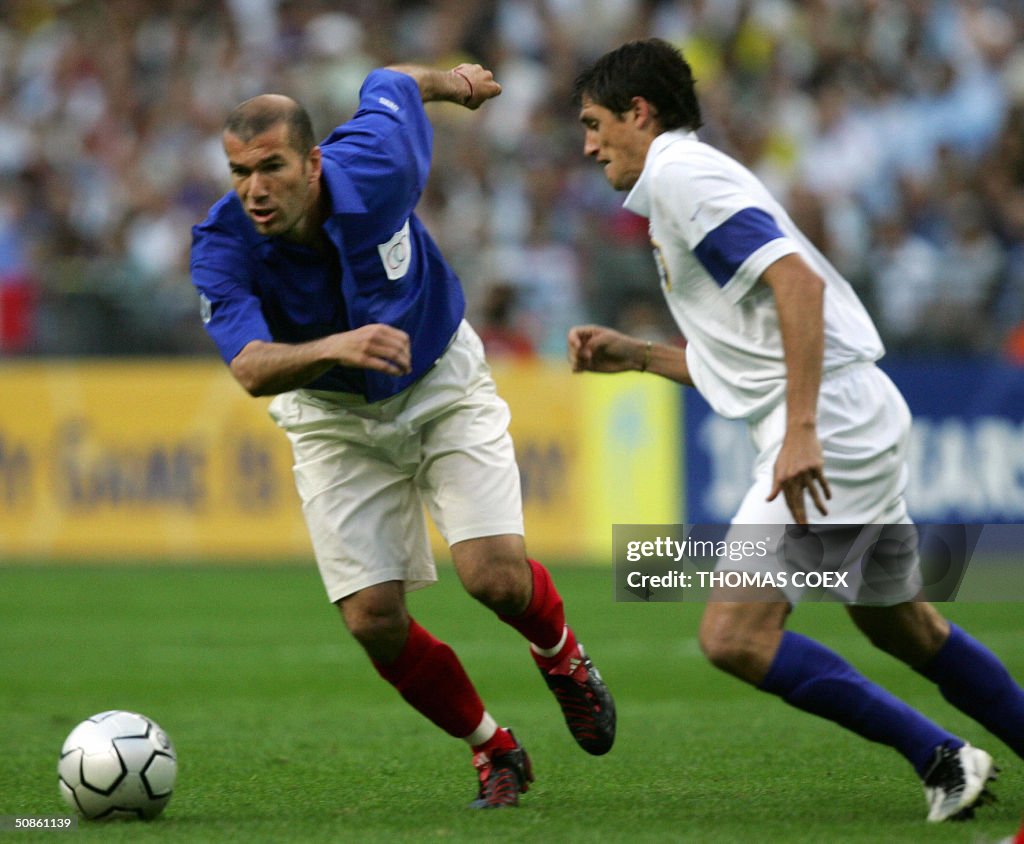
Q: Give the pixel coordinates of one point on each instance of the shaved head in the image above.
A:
(258, 114)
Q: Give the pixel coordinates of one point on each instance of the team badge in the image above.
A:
(659, 262)
(396, 254)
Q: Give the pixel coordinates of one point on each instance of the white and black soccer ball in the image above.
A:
(117, 764)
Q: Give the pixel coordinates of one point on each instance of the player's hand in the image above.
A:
(800, 468)
(594, 348)
(479, 84)
(379, 347)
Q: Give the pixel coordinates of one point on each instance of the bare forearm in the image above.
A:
(800, 465)
(436, 84)
(469, 85)
(667, 361)
(594, 348)
(799, 298)
(266, 369)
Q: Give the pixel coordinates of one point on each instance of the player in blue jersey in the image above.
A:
(776, 336)
(320, 286)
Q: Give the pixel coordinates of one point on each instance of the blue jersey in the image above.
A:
(385, 267)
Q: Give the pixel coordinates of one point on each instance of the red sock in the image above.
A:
(501, 741)
(430, 677)
(543, 621)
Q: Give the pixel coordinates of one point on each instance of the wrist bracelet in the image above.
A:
(458, 72)
(647, 355)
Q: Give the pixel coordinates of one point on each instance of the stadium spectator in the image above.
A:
(110, 109)
(969, 272)
(321, 286)
(904, 269)
(18, 286)
(499, 329)
(778, 338)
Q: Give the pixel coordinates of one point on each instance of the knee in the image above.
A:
(370, 629)
(501, 585)
(494, 571)
(375, 623)
(737, 649)
(724, 649)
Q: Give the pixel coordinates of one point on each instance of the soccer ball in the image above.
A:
(117, 764)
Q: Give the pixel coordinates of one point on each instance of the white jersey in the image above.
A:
(715, 229)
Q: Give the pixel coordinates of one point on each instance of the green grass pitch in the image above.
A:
(285, 733)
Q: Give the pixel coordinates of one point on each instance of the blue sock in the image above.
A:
(973, 679)
(811, 677)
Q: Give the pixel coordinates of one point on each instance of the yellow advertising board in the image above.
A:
(103, 460)
(172, 460)
(593, 450)
(631, 453)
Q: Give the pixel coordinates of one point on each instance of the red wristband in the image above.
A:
(470, 84)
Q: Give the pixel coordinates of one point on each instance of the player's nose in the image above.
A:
(258, 186)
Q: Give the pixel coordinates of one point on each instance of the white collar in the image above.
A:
(639, 198)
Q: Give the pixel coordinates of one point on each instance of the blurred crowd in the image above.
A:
(893, 132)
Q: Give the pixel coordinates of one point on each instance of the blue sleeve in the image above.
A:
(384, 151)
(230, 309)
(724, 249)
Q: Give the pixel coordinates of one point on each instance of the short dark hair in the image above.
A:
(258, 114)
(652, 69)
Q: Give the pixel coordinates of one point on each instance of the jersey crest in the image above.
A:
(659, 262)
(396, 254)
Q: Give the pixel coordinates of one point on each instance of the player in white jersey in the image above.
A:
(715, 230)
(776, 336)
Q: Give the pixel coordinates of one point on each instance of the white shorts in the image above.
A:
(365, 471)
(864, 430)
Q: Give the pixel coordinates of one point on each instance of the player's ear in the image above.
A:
(315, 161)
(644, 112)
